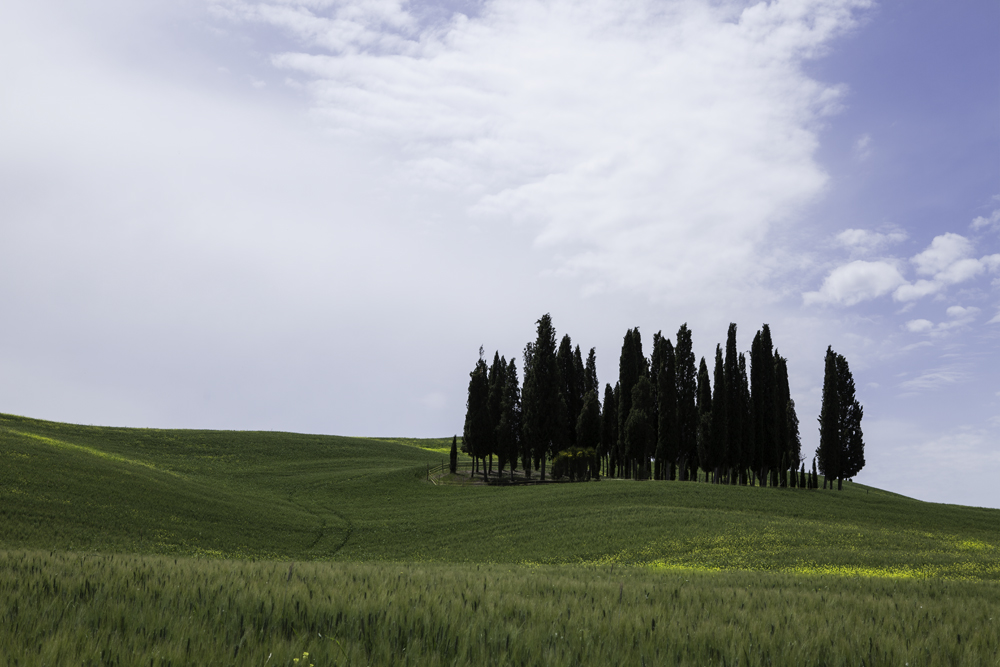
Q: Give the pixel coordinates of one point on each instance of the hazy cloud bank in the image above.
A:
(650, 145)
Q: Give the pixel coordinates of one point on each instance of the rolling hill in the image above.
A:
(291, 496)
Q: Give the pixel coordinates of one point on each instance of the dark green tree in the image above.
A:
(590, 383)
(706, 453)
(498, 386)
(764, 411)
(830, 445)
(686, 381)
(655, 363)
(746, 423)
(782, 396)
(509, 428)
(734, 408)
(667, 438)
(588, 430)
(631, 366)
(453, 459)
(571, 384)
(609, 429)
(852, 459)
(580, 377)
(639, 437)
(544, 410)
(720, 420)
(478, 433)
(527, 399)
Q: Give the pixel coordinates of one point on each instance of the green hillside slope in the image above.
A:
(292, 496)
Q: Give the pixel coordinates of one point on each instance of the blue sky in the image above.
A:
(308, 215)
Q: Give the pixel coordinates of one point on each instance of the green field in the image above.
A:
(209, 522)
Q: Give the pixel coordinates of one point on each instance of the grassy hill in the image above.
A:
(172, 547)
(291, 496)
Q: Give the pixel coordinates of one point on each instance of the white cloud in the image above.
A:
(960, 317)
(946, 261)
(649, 145)
(992, 221)
(919, 326)
(960, 312)
(863, 147)
(944, 251)
(991, 262)
(936, 379)
(856, 282)
(961, 271)
(865, 241)
(921, 288)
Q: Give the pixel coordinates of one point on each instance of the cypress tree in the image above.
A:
(478, 432)
(639, 440)
(453, 458)
(579, 379)
(829, 451)
(571, 385)
(609, 428)
(667, 440)
(734, 407)
(527, 408)
(509, 428)
(655, 363)
(544, 408)
(782, 395)
(631, 366)
(498, 386)
(852, 438)
(687, 409)
(841, 451)
(616, 457)
(590, 383)
(706, 454)
(756, 396)
(746, 423)
(720, 421)
(588, 429)
(766, 447)
(626, 380)
(794, 440)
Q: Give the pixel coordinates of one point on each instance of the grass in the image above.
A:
(172, 544)
(106, 609)
(291, 496)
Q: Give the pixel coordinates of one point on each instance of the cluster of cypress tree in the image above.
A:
(674, 418)
(665, 418)
(493, 414)
(555, 415)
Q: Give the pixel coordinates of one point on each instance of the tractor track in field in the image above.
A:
(322, 532)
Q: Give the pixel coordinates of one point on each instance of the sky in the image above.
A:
(308, 215)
